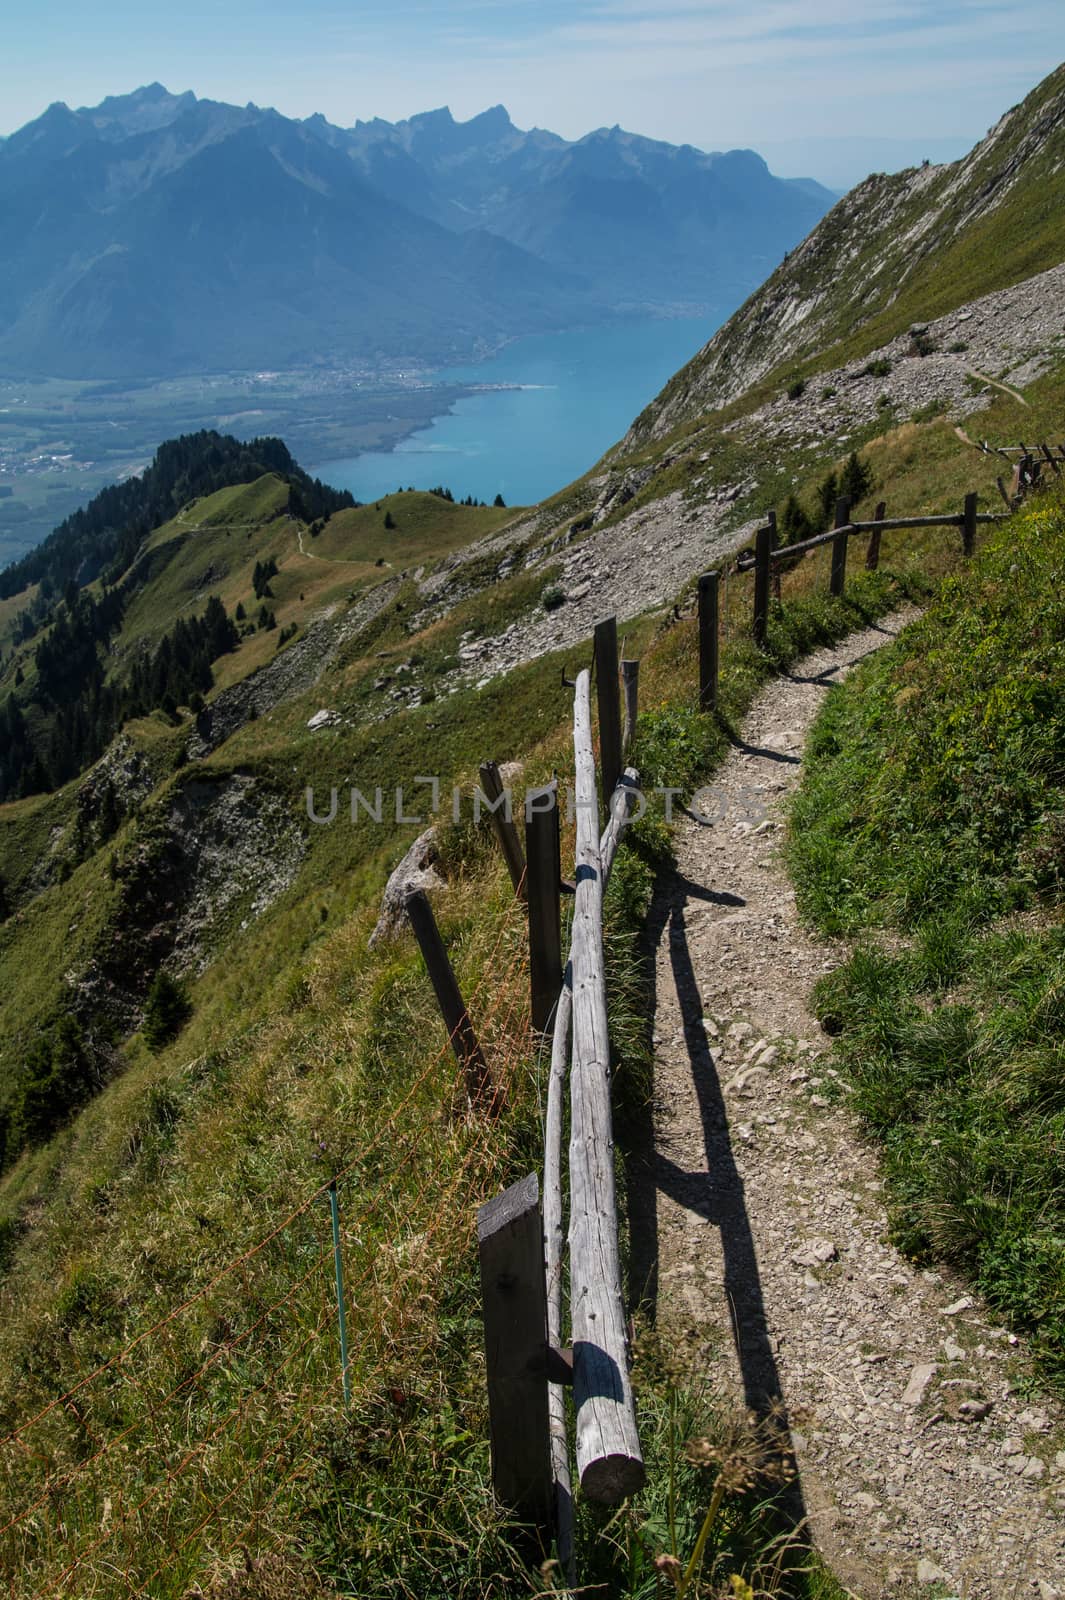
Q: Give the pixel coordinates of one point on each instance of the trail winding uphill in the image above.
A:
(759, 1225)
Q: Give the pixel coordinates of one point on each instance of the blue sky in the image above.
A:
(819, 86)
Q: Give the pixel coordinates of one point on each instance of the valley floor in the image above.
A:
(760, 1225)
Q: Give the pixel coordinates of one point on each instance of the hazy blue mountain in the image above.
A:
(157, 234)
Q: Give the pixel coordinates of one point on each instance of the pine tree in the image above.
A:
(166, 1011)
(827, 495)
(794, 522)
(857, 478)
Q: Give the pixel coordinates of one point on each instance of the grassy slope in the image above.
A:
(302, 1047)
(931, 807)
(213, 545)
(80, 1181)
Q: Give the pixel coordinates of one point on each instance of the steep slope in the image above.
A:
(895, 251)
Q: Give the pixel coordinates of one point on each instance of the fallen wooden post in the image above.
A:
(609, 1460)
(608, 701)
(708, 640)
(838, 577)
(449, 997)
(1049, 455)
(503, 825)
(543, 883)
(513, 1294)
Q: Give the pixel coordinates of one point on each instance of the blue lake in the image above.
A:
(578, 392)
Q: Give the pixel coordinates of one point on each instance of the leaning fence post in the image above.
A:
(543, 879)
(839, 546)
(968, 525)
(872, 554)
(763, 551)
(503, 825)
(609, 703)
(708, 645)
(630, 684)
(513, 1293)
(448, 996)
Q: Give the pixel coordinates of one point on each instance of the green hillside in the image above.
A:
(931, 828)
(196, 1038)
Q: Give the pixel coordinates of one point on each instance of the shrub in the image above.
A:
(797, 389)
(879, 368)
(552, 596)
(166, 1012)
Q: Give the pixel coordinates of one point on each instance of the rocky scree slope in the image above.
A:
(895, 250)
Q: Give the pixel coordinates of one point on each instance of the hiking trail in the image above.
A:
(760, 1226)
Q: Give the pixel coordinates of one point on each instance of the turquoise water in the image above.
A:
(579, 393)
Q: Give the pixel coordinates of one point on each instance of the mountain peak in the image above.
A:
(495, 120)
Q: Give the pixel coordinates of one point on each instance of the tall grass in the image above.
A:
(931, 807)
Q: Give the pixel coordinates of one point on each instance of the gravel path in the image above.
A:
(920, 1459)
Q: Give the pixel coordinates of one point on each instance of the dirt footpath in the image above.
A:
(921, 1462)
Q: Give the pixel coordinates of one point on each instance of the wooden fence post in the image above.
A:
(511, 1248)
(608, 1444)
(968, 525)
(609, 703)
(771, 518)
(503, 826)
(839, 547)
(543, 880)
(630, 684)
(872, 554)
(449, 998)
(708, 645)
(763, 550)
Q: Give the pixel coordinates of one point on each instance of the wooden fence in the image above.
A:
(769, 557)
(522, 1235)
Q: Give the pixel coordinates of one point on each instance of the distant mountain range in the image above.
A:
(159, 234)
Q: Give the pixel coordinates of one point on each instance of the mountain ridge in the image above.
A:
(161, 234)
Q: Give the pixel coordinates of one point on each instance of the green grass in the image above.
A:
(426, 528)
(931, 807)
(302, 1047)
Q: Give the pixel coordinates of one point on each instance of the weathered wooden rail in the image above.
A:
(523, 1249)
(768, 557)
(522, 1233)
